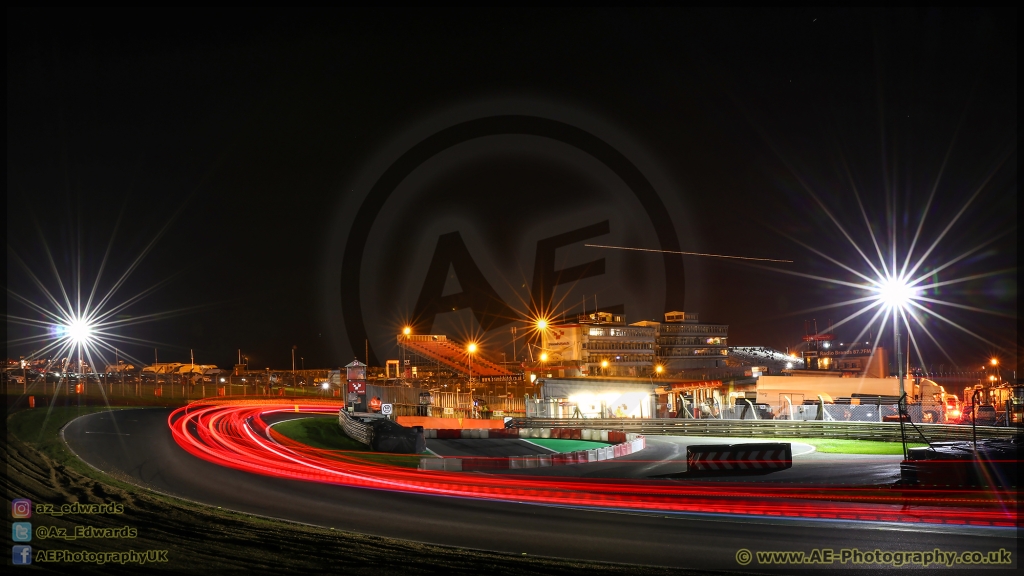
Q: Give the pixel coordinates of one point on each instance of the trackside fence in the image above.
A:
(406, 402)
(888, 432)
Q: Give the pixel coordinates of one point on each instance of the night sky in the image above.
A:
(240, 144)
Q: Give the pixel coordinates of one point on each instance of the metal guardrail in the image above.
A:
(889, 432)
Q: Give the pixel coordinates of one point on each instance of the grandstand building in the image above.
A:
(685, 343)
(600, 344)
(434, 355)
(595, 344)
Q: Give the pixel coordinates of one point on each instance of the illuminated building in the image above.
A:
(684, 342)
(599, 344)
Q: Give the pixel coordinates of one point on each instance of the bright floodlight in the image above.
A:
(895, 292)
(994, 362)
(544, 357)
(407, 330)
(78, 331)
(542, 324)
(472, 347)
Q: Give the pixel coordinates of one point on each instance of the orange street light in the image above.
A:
(543, 356)
(994, 362)
(542, 324)
(659, 369)
(407, 330)
(471, 348)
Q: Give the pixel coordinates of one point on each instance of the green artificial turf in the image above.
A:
(567, 445)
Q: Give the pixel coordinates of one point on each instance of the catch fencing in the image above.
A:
(830, 412)
(884, 431)
(406, 402)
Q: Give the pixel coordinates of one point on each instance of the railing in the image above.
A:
(889, 432)
(405, 402)
(453, 356)
(422, 338)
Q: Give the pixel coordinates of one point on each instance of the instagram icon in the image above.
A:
(21, 508)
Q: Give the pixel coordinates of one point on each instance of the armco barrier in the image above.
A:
(884, 431)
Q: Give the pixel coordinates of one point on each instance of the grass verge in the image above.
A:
(325, 433)
(839, 446)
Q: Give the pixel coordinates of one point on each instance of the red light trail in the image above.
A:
(233, 433)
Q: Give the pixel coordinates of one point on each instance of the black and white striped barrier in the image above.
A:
(759, 457)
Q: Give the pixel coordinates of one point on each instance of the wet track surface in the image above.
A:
(137, 446)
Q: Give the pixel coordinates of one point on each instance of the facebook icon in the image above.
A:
(21, 555)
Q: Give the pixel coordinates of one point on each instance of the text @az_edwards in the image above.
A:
(825, 556)
(82, 532)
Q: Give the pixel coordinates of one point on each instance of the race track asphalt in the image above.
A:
(136, 446)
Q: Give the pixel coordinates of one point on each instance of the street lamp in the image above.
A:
(471, 348)
(405, 332)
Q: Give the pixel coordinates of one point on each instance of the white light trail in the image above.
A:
(686, 253)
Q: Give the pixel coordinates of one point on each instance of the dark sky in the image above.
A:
(238, 141)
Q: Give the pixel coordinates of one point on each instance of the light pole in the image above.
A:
(896, 293)
(293, 364)
(899, 364)
(405, 332)
(472, 350)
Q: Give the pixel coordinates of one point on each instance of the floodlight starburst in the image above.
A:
(79, 331)
(896, 293)
(898, 285)
(73, 324)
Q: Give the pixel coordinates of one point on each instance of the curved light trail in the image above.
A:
(233, 433)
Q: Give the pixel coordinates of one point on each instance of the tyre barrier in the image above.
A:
(739, 458)
(625, 444)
